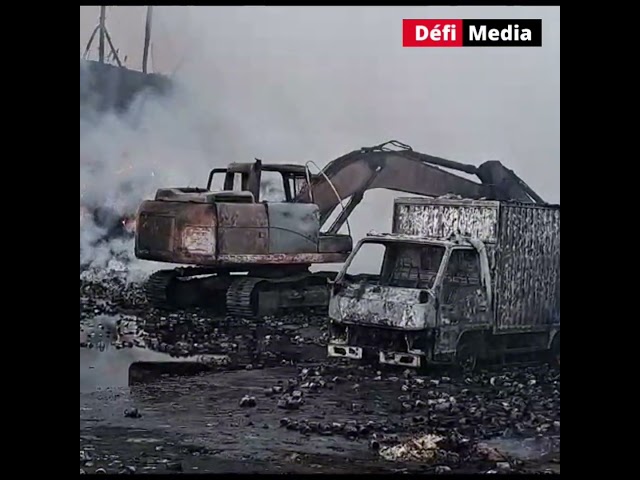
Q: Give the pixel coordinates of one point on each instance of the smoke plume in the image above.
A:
(292, 84)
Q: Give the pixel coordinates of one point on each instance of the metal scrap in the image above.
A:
(421, 449)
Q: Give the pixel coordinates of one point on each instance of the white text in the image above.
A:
(447, 33)
(509, 34)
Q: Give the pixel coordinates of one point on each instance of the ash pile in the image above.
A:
(106, 238)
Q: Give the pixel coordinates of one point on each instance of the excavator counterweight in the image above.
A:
(252, 256)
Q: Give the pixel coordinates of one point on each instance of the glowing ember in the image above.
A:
(129, 224)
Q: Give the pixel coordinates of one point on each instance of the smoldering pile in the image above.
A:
(110, 224)
(107, 225)
(111, 189)
(106, 241)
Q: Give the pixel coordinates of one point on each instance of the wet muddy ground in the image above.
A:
(275, 404)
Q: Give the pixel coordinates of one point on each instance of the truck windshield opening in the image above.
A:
(397, 264)
(367, 262)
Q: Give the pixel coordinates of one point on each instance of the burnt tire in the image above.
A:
(467, 357)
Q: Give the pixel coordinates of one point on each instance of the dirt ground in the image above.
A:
(278, 405)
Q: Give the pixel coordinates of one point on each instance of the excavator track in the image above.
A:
(240, 296)
(302, 291)
(156, 287)
(160, 288)
(167, 290)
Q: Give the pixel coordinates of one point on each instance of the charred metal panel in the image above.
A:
(196, 195)
(155, 233)
(335, 243)
(243, 229)
(528, 267)
(465, 304)
(232, 215)
(283, 259)
(441, 218)
(373, 305)
(293, 228)
(175, 232)
(378, 338)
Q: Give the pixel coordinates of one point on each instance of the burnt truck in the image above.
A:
(457, 281)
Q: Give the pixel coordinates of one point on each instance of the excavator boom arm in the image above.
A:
(396, 166)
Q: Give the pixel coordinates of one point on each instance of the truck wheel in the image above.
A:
(467, 357)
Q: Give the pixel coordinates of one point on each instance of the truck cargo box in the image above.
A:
(523, 244)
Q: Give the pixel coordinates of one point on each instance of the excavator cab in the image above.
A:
(256, 219)
(266, 182)
(253, 217)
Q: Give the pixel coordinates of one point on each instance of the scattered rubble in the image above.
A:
(248, 401)
(442, 469)
(132, 413)
(398, 414)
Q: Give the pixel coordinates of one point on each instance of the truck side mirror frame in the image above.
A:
(336, 287)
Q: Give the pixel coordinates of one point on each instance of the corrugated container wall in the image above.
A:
(523, 244)
(528, 267)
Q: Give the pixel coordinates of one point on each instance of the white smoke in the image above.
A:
(125, 158)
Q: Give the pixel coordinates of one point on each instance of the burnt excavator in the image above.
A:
(252, 257)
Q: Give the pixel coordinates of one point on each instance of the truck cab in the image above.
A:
(413, 306)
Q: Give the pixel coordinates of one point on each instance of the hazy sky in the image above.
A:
(290, 84)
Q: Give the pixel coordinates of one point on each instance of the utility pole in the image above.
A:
(147, 39)
(101, 33)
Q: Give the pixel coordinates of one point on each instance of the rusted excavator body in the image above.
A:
(252, 256)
